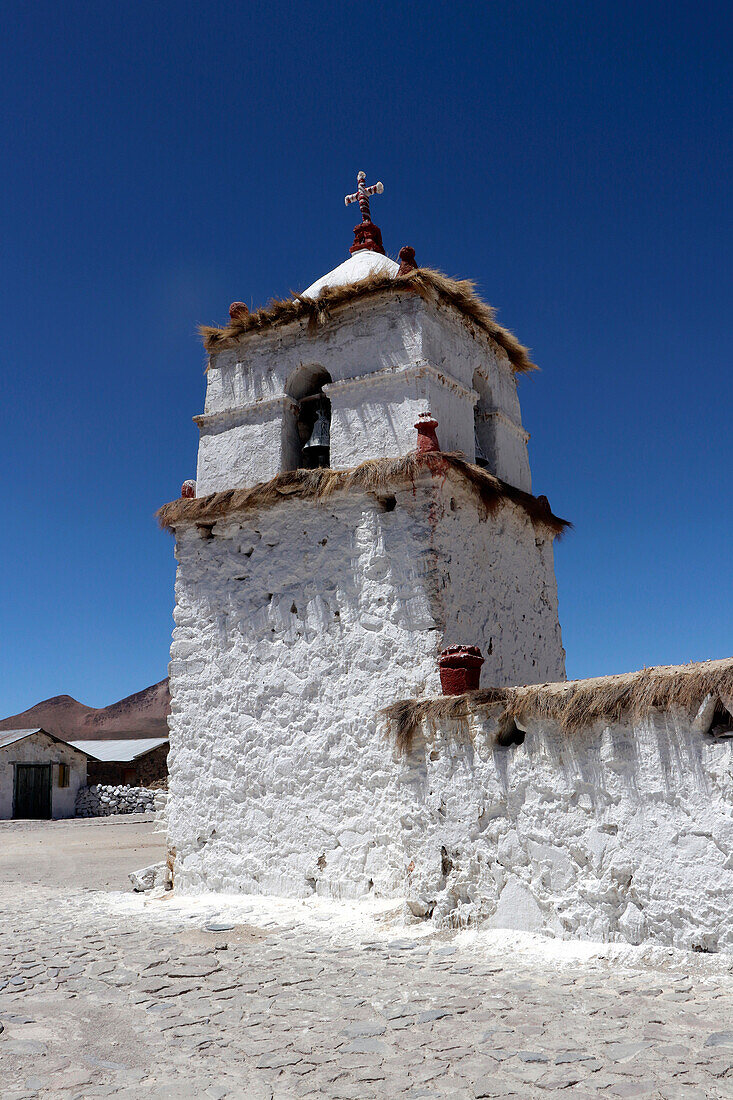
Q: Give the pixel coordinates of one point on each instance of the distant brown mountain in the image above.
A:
(140, 715)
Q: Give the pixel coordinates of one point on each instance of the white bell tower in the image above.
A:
(323, 564)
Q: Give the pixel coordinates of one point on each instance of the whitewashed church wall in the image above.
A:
(240, 456)
(454, 345)
(506, 452)
(500, 590)
(375, 335)
(366, 422)
(252, 377)
(620, 833)
(370, 425)
(292, 632)
(377, 419)
(454, 413)
(38, 749)
(286, 647)
(233, 380)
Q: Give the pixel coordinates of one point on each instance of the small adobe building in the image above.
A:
(40, 775)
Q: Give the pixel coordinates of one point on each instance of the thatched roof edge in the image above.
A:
(573, 704)
(376, 475)
(429, 284)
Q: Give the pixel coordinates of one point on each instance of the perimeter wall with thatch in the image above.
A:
(600, 809)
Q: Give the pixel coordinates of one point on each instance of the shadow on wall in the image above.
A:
(596, 762)
(483, 424)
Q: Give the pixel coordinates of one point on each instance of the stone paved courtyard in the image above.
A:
(104, 993)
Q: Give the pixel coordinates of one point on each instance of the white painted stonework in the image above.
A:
(41, 749)
(617, 833)
(293, 629)
(296, 626)
(389, 359)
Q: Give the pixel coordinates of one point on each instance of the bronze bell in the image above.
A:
(317, 450)
(480, 459)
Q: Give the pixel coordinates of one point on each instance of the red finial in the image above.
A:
(407, 260)
(427, 440)
(188, 489)
(366, 235)
(238, 311)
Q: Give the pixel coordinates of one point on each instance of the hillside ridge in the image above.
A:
(142, 714)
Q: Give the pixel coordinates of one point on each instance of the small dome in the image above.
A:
(357, 267)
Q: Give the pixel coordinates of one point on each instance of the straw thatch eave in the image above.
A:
(430, 285)
(575, 704)
(375, 476)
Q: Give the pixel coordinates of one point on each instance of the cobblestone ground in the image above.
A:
(105, 993)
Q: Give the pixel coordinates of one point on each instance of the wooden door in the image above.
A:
(32, 790)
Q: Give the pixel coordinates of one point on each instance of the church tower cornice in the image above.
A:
(430, 285)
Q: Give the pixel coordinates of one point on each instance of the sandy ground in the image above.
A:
(80, 853)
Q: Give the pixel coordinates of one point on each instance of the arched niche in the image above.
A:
(483, 423)
(310, 409)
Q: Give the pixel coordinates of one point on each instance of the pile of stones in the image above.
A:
(100, 800)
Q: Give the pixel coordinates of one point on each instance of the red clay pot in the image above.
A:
(460, 669)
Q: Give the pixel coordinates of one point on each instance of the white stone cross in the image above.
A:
(362, 196)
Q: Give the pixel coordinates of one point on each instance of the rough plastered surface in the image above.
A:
(620, 833)
(39, 749)
(388, 360)
(293, 629)
(498, 590)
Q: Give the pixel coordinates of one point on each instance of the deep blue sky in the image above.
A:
(163, 159)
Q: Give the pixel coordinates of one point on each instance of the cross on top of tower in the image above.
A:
(362, 195)
(367, 235)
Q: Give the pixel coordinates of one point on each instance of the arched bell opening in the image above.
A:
(483, 423)
(307, 426)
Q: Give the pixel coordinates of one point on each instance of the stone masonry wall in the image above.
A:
(146, 771)
(152, 768)
(100, 800)
(499, 590)
(293, 629)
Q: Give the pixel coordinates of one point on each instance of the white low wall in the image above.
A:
(617, 833)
